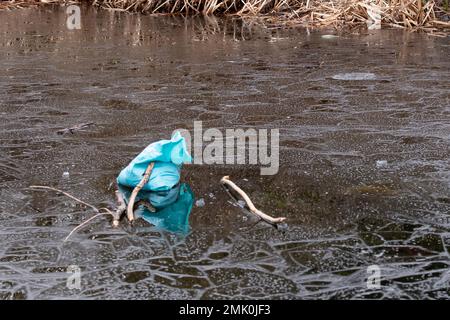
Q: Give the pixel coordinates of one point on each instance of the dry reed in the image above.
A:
(427, 15)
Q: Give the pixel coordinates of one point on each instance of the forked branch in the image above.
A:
(116, 215)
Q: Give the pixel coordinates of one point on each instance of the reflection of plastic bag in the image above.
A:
(173, 207)
(168, 156)
(174, 217)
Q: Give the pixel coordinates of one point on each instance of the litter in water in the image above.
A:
(329, 36)
(167, 155)
(355, 76)
(381, 163)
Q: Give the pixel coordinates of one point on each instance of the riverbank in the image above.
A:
(415, 15)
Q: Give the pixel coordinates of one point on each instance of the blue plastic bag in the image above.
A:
(174, 217)
(168, 156)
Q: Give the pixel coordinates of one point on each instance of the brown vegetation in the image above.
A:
(427, 15)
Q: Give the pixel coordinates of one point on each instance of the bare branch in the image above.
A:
(108, 212)
(75, 128)
(130, 209)
(122, 207)
(226, 181)
(67, 195)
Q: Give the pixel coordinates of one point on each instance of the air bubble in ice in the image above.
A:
(381, 163)
(200, 202)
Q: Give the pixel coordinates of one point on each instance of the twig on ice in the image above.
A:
(108, 212)
(147, 205)
(130, 208)
(67, 195)
(116, 215)
(226, 181)
(75, 128)
(122, 207)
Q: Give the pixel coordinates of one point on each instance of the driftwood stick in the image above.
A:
(116, 215)
(147, 205)
(75, 128)
(108, 212)
(130, 208)
(67, 195)
(226, 181)
(122, 207)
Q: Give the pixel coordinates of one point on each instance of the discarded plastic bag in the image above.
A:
(168, 156)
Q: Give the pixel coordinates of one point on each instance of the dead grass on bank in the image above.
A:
(21, 4)
(411, 14)
(9, 5)
(427, 15)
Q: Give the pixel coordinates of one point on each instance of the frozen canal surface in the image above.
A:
(364, 174)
